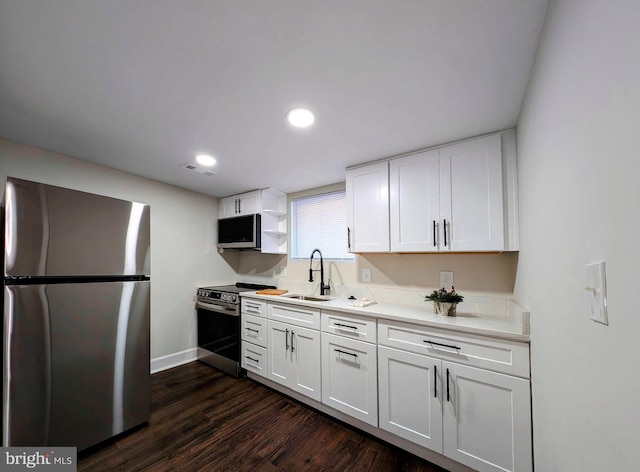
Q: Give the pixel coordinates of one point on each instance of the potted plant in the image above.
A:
(445, 302)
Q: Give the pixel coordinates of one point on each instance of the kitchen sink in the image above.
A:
(308, 298)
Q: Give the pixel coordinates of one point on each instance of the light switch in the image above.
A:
(597, 292)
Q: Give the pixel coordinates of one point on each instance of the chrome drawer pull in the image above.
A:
(345, 352)
(252, 359)
(443, 345)
(346, 326)
(251, 329)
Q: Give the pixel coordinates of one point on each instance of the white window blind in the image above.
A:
(320, 221)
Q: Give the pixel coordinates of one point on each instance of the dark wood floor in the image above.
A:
(204, 420)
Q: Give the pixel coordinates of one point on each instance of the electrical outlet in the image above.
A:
(446, 279)
(283, 271)
(366, 275)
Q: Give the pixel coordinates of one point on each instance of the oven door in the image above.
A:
(219, 336)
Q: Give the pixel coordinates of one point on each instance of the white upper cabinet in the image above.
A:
(471, 213)
(368, 208)
(238, 205)
(414, 196)
(458, 198)
(271, 204)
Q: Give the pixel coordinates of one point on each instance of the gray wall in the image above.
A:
(183, 235)
(579, 192)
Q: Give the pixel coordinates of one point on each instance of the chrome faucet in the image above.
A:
(323, 287)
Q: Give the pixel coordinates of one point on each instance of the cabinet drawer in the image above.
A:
(254, 307)
(351, 326)
(254, 330)
(295, 315)
(254, 358)
(508, 357)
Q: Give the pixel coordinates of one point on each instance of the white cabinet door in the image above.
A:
(411, 397)
(368, 208)
(471, 204)
(228, 207)
(249, 203)
(279, 352)
(350, 377)
(305, 365)
(238, 205)
(487, 422)
(414, 197)
(294, 358)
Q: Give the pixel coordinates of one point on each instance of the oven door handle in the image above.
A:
(224, 309)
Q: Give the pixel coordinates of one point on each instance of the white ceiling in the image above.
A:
(143, 85)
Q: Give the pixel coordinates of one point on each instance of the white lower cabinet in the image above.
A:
(487, 419)
(253, 333)
(349, 377)
(411, 397)
(463, 396)
(474, 416)
(254, 358)
(294, 358)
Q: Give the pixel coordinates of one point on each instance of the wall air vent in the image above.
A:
(199, 170)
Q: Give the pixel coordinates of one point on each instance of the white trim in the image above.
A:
(173, 360)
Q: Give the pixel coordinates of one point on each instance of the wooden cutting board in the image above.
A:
(271, 291)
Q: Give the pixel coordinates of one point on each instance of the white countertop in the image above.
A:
(515, 327)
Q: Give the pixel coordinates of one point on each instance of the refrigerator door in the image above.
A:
(76, 362)
(52, 231)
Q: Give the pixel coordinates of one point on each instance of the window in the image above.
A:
(320, 221)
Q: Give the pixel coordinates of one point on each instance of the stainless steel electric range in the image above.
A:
(218, 310)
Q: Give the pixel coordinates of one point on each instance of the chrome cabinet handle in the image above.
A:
(435, 381)
(450, 346)
(340, 351)
(345, 326)
(434, 234)
(445, 233)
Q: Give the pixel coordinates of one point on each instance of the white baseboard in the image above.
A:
(161, 363)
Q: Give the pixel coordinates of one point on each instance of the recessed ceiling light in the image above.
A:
(300, 117)
(206, 160)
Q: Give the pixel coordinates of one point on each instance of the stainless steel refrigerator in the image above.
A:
(76, 316)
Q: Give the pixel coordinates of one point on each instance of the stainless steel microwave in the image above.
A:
(239, 232)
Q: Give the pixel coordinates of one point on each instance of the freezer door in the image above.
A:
(76, 362)
(52, 231)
